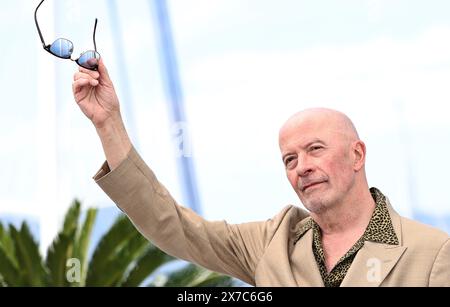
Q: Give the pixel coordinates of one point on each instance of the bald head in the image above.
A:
(320, 118)
(324, 158)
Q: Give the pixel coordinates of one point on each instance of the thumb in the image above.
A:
(103, 71)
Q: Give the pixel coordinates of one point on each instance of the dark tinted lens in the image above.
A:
(62, 48)
(89, 60)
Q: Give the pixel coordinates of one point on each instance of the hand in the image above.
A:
(95, 95)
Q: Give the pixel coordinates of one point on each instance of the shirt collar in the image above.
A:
(379, 229)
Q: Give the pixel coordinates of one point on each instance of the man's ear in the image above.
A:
(359, 154)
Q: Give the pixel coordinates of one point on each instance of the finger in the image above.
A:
(90, 81)
(103, 71)
(94, 74)
(80, 84)
(80, 75)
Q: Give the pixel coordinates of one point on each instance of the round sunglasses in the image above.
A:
(63, 48)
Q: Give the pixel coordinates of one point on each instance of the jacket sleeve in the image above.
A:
(230, 249)
(440, 273)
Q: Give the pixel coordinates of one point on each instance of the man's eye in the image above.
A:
(288, 160)
(312, 148)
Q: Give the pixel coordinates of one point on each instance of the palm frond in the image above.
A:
(123, 257)
(58, 254)
(27, 252)
(71, 218)
(195, 276)
(123, 260)
(151, 260)
(8, 270)
(62, 246)
(8, 245)
(107, 249)
(82, 242)
(214, 279)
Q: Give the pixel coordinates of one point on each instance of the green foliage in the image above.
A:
(31, 268)
(123, 257)
(194, 276)
(148, 263)
(81, 246)
(61, 248)
(8, 263)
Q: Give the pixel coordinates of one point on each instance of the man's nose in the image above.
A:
(304, 167)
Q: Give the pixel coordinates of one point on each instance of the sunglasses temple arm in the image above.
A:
(95, 29)
(37, 25)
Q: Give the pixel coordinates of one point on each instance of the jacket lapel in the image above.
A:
(375, 260)
(372, 264)
(304, 263)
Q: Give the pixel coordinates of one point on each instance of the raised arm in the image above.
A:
(231, 249)
(95, 95)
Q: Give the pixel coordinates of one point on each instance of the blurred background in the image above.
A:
(235, 70)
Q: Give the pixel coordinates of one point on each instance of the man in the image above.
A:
(350, 237)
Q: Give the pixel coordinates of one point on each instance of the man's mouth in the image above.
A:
(310, 185)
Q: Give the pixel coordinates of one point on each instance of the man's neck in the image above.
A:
(349, 216)
(342, 225)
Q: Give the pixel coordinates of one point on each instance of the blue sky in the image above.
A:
(245, 67)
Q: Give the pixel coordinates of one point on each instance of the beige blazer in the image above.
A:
(263, 253)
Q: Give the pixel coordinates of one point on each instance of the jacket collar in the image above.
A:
(375, 260)
(371, 265)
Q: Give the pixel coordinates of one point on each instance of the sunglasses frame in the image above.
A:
(47, 47)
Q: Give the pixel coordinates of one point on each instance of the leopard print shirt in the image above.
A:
(379, 230)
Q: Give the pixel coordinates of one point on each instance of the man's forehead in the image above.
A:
(316, 123)
(303, 128)
(294, 139)
(303, 138)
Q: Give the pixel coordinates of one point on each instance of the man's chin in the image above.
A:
(315, 208)
(315, 204)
